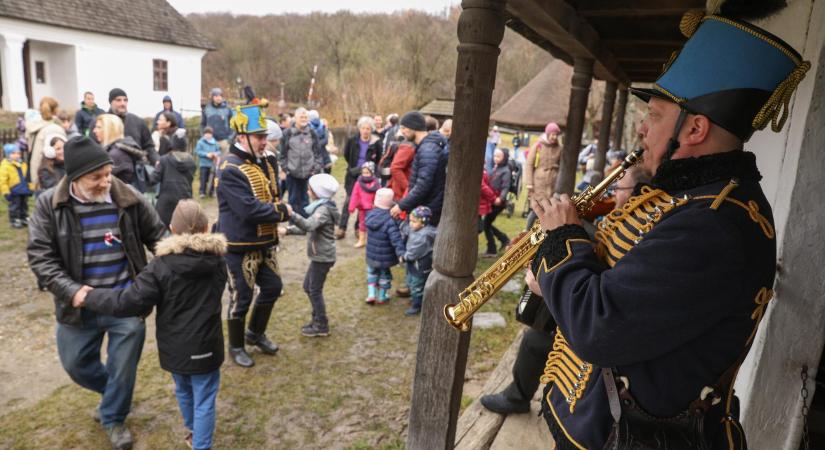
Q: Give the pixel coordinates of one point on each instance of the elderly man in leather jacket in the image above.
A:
(90, 231)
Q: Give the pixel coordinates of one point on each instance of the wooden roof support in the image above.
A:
(618, 126)
(559, 23)
(442, 351)
(579, 92)
(604, 127)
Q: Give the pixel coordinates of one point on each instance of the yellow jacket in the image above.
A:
(9, 177)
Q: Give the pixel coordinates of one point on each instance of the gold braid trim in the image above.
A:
(763, 297)
(567, 370)
(753, 212)
(250, 266)
(724, 194)
(271, 261)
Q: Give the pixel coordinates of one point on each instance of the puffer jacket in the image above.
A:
(488, 196)
(126, 154)
(321, 228)
(361, 198)
(185, 281)
(419, 254)
(428, 176)
(500, 180)
(217, 117)
(55, 248)
(384, 242)
(13, 178)
(175, 174)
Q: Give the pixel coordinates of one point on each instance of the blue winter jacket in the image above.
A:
(217, 117)
(205, 147)
(428, 176)
(384, 242)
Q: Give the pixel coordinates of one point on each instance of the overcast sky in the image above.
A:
(263, 7)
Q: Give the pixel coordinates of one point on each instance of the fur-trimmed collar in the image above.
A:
(688, 173)
(199, 242)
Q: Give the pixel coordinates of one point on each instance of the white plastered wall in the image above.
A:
(104, 62)
(791, 333)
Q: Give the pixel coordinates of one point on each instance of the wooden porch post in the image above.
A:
(618, 125)
(442, 350)
(604, 127)
(579, 91)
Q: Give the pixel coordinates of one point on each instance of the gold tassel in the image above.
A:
(775, 109)
(690, 22)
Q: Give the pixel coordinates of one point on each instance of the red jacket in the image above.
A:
(361, 199)
(488, 196)
(400, 169)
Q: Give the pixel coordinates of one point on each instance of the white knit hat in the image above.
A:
(383, 198)
(323, 185)
(48, 150)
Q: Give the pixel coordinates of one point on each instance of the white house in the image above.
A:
(63, 49)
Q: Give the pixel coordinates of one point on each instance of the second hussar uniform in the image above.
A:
(655, 317)
(249, 212)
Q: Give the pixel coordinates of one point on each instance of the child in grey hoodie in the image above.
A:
(419, 256)
(322, 215)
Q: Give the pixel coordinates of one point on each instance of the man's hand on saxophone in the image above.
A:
(555, 211)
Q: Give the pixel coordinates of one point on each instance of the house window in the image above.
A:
(161, 75)
(40, 72)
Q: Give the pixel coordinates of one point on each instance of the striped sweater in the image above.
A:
(104, 260)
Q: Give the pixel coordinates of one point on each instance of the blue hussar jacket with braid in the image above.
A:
(248, 202)
(669, 296)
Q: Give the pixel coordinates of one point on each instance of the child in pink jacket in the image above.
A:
(363, 195)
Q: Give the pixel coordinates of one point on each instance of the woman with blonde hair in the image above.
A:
(38, 127)
(127, 156)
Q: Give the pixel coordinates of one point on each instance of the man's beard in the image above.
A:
(91, 196)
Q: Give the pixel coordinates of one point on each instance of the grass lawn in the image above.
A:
(349, 391)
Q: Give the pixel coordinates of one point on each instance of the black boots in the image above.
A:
(508, 401)
(236, 349)
(257, 326)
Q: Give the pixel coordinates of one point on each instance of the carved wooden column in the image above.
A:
(604, 128)
(618, 125)
(579, 91)
(442, 350)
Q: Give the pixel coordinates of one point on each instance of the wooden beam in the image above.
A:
(559, 23)
(604, 128)
(579, 92)
(630, 42)
(636, 8)
(442, 351)
(618, 126)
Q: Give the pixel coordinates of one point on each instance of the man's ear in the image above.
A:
(697, 128)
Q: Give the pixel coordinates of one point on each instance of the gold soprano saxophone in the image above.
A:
(481, 290)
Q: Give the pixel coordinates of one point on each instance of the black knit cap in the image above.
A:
(414, 120)
(83, 155)
(115, 93)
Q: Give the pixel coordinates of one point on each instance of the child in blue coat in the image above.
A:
(208, 151)
(385, 248)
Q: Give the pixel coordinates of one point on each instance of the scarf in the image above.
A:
(368, 184)
(309, 209)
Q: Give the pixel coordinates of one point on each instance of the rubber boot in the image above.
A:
(371, 289)
(258, 321)
(236, 349)
(383, 296)
(362, 240)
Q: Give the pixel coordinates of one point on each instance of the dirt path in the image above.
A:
(27, 325)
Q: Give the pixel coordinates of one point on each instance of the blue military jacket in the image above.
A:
(248, 202)
(669, 296)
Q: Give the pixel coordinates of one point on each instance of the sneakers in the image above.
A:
(17, 223)
(504, 245)
(316, 329)
(119, 436)
(412, 311)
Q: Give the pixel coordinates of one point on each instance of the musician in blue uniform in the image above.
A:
(249, 213)
(656, 316)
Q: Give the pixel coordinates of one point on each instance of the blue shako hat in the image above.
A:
(736, 74)
(249, 119)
